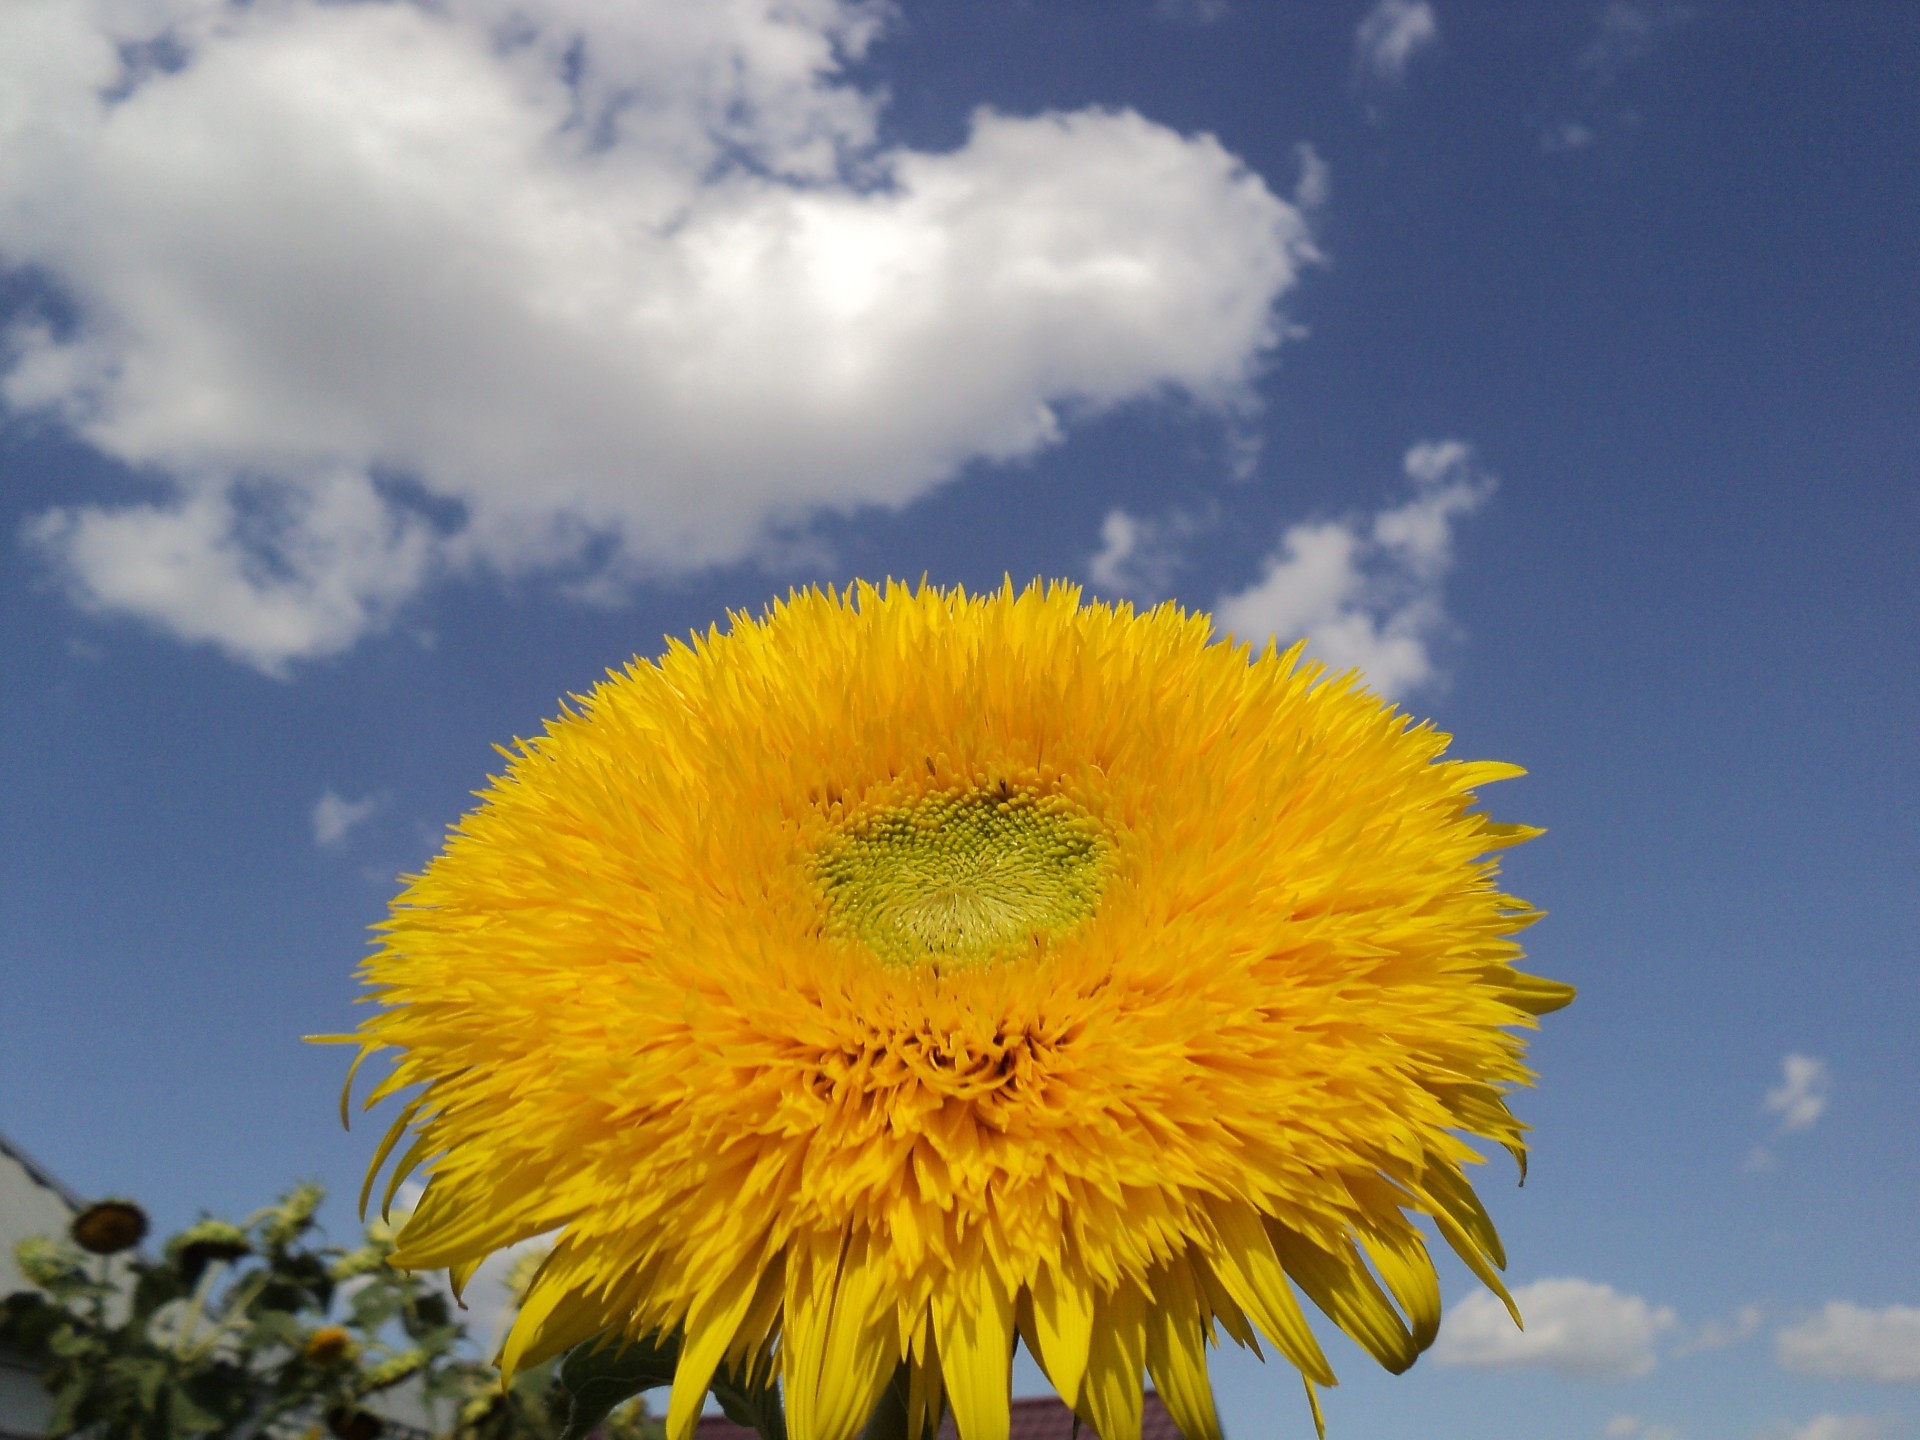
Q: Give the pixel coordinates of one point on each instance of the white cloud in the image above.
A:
(1632, 1427)
(1718, 1334)
(1801, 1096)
(473, 286)
(1138, 557)
(1627, 32)
(1367, 592)
(266, 572)
(1830, 1427)
(334, 815)
(1575, 1327)
(1850, 1342)
(1390, 35)
(1567, 135)
(1315, 185)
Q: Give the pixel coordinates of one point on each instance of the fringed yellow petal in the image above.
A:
(711, 1326)
(1062, 1308)
(749, 1355)
(1447, 1188)
(925, 1401)
(1536, 994)
(346, 1086)
(1115, 1363)
(418, 1151)
(973, 1326)
(459, 1275)
(1221, 1306)
(1177, 1352)
(1252, 1274)
(843, 1346)
(1340, 1284)
(1400, 1255)
(385, 1148)
(1313, 1404)
(553, 1318)
(1470, 1254)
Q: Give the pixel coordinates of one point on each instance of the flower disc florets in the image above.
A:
(906, 971)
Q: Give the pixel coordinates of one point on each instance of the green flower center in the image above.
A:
(963, 877)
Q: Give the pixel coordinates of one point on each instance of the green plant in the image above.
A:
(259, 1330)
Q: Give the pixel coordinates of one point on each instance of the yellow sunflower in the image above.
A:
(903, 972)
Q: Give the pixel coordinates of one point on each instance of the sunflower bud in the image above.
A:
(328, 1345)
(109, 1226)
(205, 1242)
(48, 1263)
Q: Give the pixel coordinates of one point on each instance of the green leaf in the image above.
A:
(158, 1285)
(600, 1373)
(191, 1418)
(747, 1400)
(27, 1323)
(148, 1378)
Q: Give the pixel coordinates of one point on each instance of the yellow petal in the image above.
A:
(1341, 1285)
(711, 1326)
(1252, 1274)
(554, 1317)
(1115, 1361)
(459, 1275)
(1177, 1353)
(924, 1400)
(1062, 1302)
(1447, 1188)
(1402, 1260)
(841, 1344)
(973, 1323)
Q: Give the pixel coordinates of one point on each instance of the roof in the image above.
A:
(39, 1173)
(32, 1203)
(1041, 1417)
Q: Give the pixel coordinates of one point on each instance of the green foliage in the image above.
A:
(605, 1372)
(260, 1330)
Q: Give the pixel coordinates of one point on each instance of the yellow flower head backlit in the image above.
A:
(907, 971)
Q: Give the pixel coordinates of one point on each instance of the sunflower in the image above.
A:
(905, 972)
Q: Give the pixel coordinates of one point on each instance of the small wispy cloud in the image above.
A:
(1191, 12)
(1829, 1427)
(1574, 1327)
(1743, 1324)
(1801, 1096)
(1632, 1427)
(1625, 34)
(1628, 32)
(1367, 591)
(1138, 557)
(1390, 35)
(1567, 135)
(1851, 1342)
(334, 816)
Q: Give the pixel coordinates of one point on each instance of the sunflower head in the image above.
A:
(904, 972)
(207, 1242)
(329, 1345)
(108, 1227)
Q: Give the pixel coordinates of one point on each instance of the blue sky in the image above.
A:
(375, 377)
